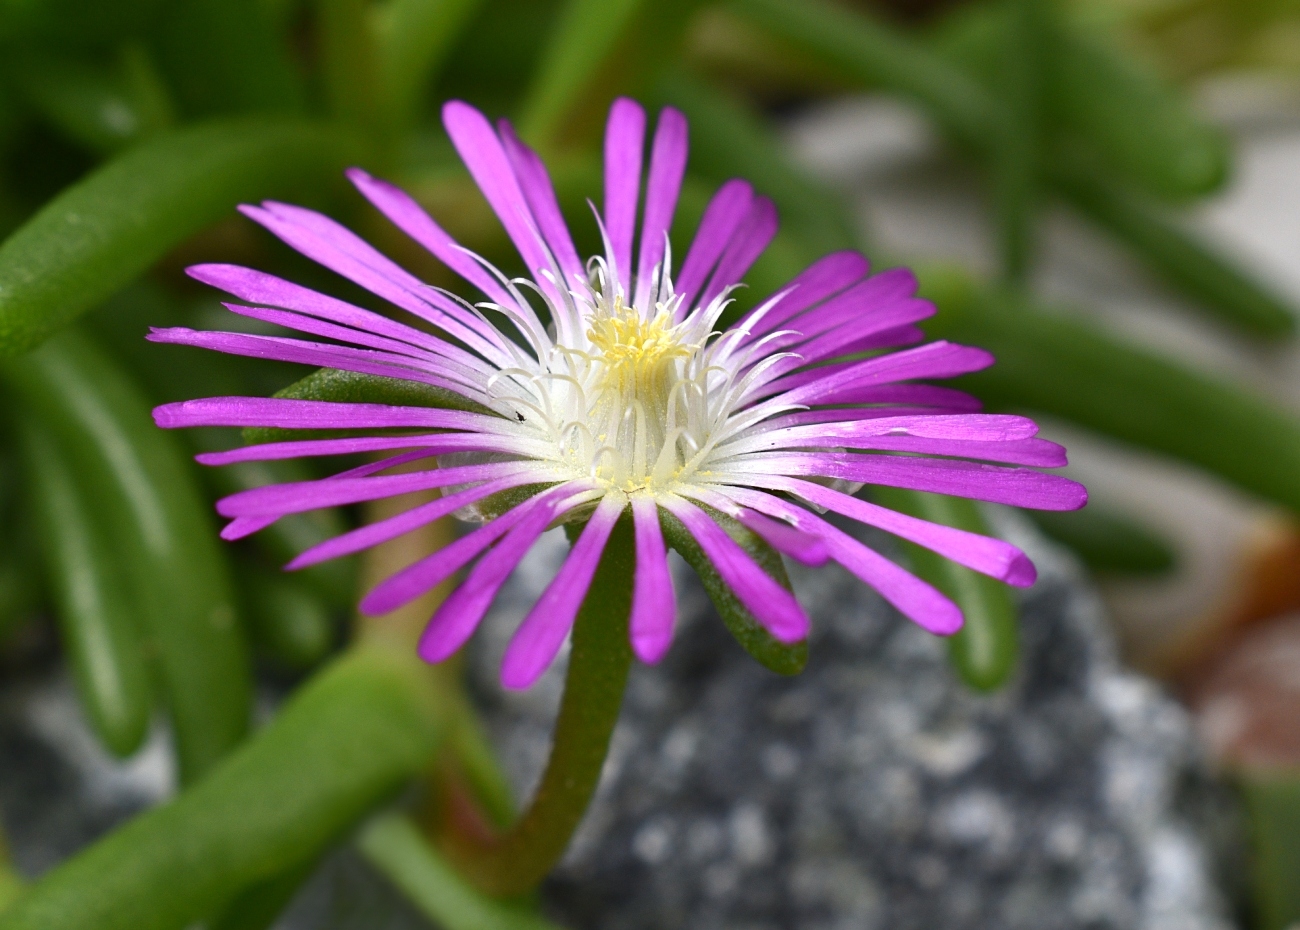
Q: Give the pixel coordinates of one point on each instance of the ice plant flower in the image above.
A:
(620, 397)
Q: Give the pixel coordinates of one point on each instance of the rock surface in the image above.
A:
(874, 790)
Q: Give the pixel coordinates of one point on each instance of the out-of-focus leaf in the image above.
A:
(354, 388)
(867, 51)
(729, 140)
(1273, 812)
(21, 593)
(104, 109)
(164, 533)
(870, 52)
(1221, 288)
(257, 908)
(412, 40)
(97, 615)
(343, 744)
(396, 849)
(585, 33)
(1144, 129)
(757, 641)
(334, 581)
(11, 884)
(1107, 541)
(75, 22)
(985, 650)
(348, 62)
(103, 231)
(1023, 76)
(288, 621)
(1050, 362)
(597, 50)
(225, 57)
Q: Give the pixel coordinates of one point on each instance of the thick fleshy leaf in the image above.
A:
(105, 230)
(757, 641)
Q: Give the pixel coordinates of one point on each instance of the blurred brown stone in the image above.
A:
(1247, 702)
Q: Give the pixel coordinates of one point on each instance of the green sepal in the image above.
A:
(350, 387)
(758, 642)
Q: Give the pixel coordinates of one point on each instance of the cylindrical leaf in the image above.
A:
(343, 744)
(1054, 363)
(287, 620)
(103, 231)
(95, 610)
(1185, 262)
(393, 846)
(164, 533)
(985, 649)
(1108, 541)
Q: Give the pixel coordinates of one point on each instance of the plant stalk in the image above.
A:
(515, 861)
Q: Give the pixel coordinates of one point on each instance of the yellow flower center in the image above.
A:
(641, 363)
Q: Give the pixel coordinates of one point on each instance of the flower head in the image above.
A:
(620, 397)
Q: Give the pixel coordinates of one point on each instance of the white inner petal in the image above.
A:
(632, 396)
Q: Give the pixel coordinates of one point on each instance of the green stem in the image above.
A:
(599, 659)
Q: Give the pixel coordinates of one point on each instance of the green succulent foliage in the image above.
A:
(128, 128)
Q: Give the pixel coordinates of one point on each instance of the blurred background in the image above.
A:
(1104, 193)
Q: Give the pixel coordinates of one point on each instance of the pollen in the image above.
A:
(637, 353)
(634, 404)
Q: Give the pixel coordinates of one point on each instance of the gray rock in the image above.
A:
(874, 790)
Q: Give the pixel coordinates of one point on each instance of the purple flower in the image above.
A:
(627, 399)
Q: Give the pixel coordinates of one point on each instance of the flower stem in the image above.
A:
(517, 860)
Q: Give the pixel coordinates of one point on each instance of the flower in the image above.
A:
(628, 399)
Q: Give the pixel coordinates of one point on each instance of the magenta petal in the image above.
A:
(288, 413)
(372, 534)
(822, 279)
(459, 615)
(624, 145)
(772, 605)
(485, 157)
(1019, 487)
(985, 554)
(800, 546)
(240, 527)
(322, 355)
(756, 231)
(722, 217)
(654, 606)
(839, 384)
(257, 287)
(414, 580)
(341, 251)
(300, 496)
(667, 167)
(538, 639)
(914, 598)
(412, 219)
(537, 188)
(436, 444)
